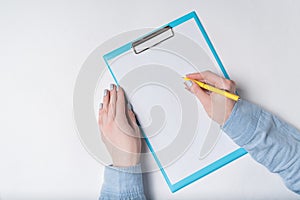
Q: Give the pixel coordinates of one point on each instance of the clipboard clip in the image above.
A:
(152, 39)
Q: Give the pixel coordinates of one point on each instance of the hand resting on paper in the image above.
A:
(118, 127)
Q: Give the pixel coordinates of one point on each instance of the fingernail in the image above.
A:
(101, 106)
(111, 86)
(105, 92)
(188, 83)
(129, 106)
(117, 88)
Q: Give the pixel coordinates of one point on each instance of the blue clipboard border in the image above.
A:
(211, 167)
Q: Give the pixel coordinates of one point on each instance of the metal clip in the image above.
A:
(152, 39)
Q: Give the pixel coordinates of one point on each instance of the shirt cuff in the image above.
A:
(242, 122)
(123, 181)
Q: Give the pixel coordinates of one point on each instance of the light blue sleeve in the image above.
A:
(270, 141)
(122, 183)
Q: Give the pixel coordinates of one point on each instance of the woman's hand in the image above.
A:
(118, 127)
(217, 106)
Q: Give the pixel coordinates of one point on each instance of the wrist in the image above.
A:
(228, 112)
(127, 161)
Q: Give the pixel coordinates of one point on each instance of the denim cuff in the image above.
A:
(242, 122)
(123, 181)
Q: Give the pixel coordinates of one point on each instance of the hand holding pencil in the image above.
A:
(216, 94)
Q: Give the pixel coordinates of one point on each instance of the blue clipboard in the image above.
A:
(136, 47)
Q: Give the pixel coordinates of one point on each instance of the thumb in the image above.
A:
(198, 92)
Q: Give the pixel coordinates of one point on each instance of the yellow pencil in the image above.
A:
(216, 90)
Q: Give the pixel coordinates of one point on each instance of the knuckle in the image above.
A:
(207, 72)
(120, 89)
(101, 112)
(233, 83)
(229, 84)
(112, 105)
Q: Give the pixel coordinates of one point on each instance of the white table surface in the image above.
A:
(43, 45)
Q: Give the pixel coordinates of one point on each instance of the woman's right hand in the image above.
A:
(217, 106)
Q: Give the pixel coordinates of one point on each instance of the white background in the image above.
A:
(43, 45)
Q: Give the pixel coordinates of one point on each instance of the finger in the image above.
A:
(121, 102)
(214, 80)
(131, 115)
(207, 76)
(132, 120)
(100, 116)
(112, 102)
(229, 85)
(105, 100)
(199, 92)
(233, 88)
